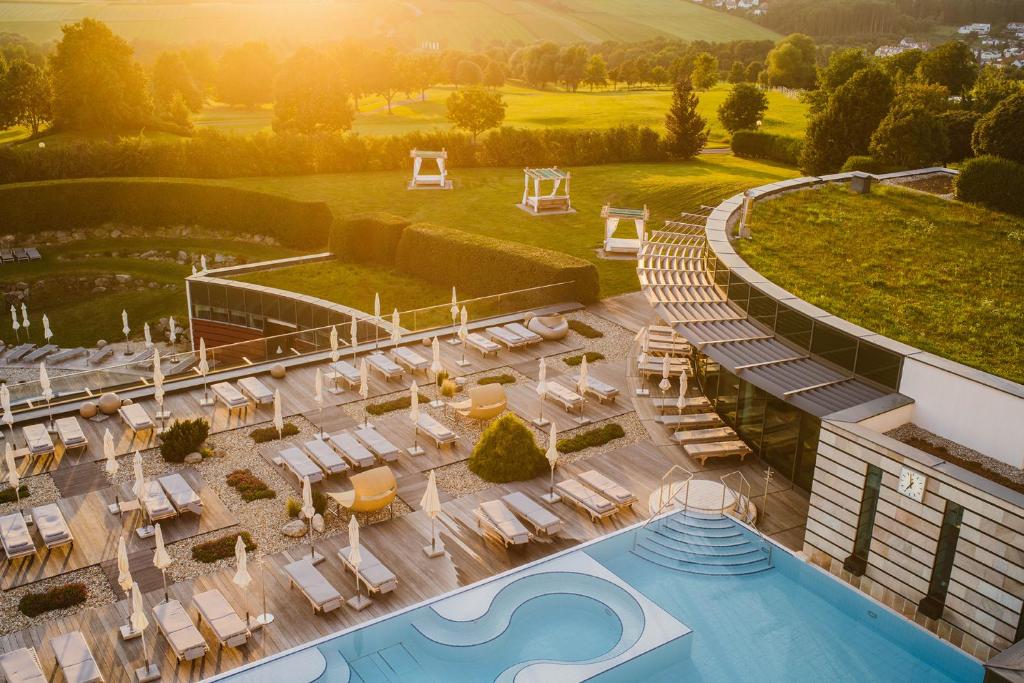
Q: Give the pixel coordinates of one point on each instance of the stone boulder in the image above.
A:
(294, 529)
(193, 459)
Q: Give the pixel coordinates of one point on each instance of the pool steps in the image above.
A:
(700, 543)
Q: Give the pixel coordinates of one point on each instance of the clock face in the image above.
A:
(912, 484)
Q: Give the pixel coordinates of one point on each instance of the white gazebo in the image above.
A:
(556, 201)
(427, 181)
(623, 245)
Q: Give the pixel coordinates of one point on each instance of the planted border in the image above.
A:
(221, 548)
(60, 597)
(591, 438)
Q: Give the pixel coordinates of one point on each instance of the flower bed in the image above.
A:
(221, 548)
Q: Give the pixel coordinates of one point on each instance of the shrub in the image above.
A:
(394, 404)
(265, 434)
(449, 388)
(497, 379)
(183, 437)
(751, 144)
(999, 132)
(910, 137)
(865, 164)
(60, 597)
(591, 438)
(294, 506)
(743, 107)
(367, 238)
(507, 451)
(959, 125)
(88, 203)
(249, 486)
(221, 547)
(440, 378)
(580, 327)
(994, 182)
(9, 496)
(573, 361)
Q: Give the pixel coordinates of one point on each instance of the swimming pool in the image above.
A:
(609, 611)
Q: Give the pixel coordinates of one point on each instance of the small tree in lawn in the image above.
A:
(705, 71)
(507, 451)
(743, 107)
(475, 110)
(911, 136)
(687, 131)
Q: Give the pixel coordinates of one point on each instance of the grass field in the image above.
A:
(463, 24)
(942, 276)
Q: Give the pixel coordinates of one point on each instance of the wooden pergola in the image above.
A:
(623, 245)
(425, 181)
(556, 201)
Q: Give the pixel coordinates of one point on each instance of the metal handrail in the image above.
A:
(662, 502)
(743, 501)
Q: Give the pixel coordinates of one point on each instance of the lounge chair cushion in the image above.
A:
(543, 520)
(229, 395)
(75, 658)
(178, 628)
(70, 432)
(38, 439)
(51, 524)
(606, 487)
(136, 417)
(15, 536)
(21, 666)
(219, 614)
(579, 493)
(372, 571)
(158, 506)
(354, 452)
(182, 495)
(324, 456)
(482, 343)
(300, 464)
(505, 522)
(312, 583)
(256, 390)
(377, 443)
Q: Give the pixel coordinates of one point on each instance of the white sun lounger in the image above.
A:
(668, 406)
(182, 495)
(719, 449)
(38, 439)
(375, 441)
(52, 526)
(435, 430)
(602, 390)
(232, 398)
(158, 506)
(70, 433)
(525, 333)
(542, 520)
(15, 537)
(324, 456)
(300, 465)
(495, 519)
(385, 366)
(321, 594)
(565, 397)
(410, 360)
(591, 502)
(180, 631)
(607, 488)
(482, 344)
(692, 436)
(507, 337)
(375, 576)
(258, 392)
(692, 420)
(347, 372)
(222, 618)
(75, 658)
(135, 417)
(22, 666)
(355, 453)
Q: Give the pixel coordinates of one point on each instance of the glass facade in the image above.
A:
(858, 561)
(938, 587)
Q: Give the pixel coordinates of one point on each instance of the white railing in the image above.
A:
(741, 491)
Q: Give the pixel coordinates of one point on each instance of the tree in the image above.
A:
(903, 64)
(97, 84)
(931, 96)
(790, 64)
(951, 64)
(659, 76)
(171, 77)
(475, 110)
(743, 107)
(468, 73)
(201, 68)
(383, 76)
(494, 75)
(507, 451)
(596, 74)
(842, 64)
(705, 71)
(991, 88)
(999, 132)
(540, 64)
(737, 74)
(26, 96)
(419, 73)
(178, 111)
(910, 137)
(959, 124)
(754, 70)
(686, 130)
(245, 75)
(572, 64)
(311, 95)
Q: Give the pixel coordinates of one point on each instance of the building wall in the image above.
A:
(986, 587)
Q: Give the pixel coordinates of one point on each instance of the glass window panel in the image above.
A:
(252, 303)
(722, 277)
(750, 416)
(738, 292)
(199, 294)
(236, 300)
(781, 437)
(728, 386)
(832, 345)
(879, 365)
(303, 315)
(803, 473)
(270, 306)
(762, 308)
(796, 327)
(286, 310)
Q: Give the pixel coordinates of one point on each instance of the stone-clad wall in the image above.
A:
(986, 588)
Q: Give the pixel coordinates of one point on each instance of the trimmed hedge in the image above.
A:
(61, 597)
(394, 404)
(9, 496)
(591, 438)
(484, 265)
(221, 548)
(580, 327)
(265, 434)
(865, 164)
(751, 144)
(506, 452)
(497, 379)
(183, 437)
(993, 182)
(249, 486)
(368, 238)
(592, 356)
(64, 205)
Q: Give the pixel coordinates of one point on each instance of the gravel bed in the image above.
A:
(910, 431)
(41, 490)
(11, 618)
(614, 345)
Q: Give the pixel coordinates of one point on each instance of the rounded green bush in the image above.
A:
(507, 452)
(993, 182)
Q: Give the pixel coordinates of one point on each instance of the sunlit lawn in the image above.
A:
(942, 276)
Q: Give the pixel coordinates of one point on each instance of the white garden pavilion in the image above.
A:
(623, 245)
(556, 201)
(429, 181)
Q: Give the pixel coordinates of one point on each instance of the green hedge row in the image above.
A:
(64, 205)
(993, 182)
(751, 144)
(591, 438)
(368, 237)
(59, 597)
(221, 547)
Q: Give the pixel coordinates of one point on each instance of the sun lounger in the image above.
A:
(354, 452)
(70, 433)
(607, 488)
(668, 406)
(300, 465)
(494, 518)
(180, 631)
(345, 371)
(22, 666)
(258, 392)
(375, 441)
(52, 527)
(100, 355)
(482, 344)
(75, 658)
(653, 366)
(183, 497)
(324, 456)
(222, 618)
(603, 390)
(7, 255)
(591, 502)
(68, 354)
(231, 397)
(18, 352)
(565, 397)
(135, 418)
(15, 537)
(692, 436)
(435, 430)
(375, 576)
(144, 359)
(38, 439)
(691, 420)
(20, 254)
(507, 337)
(321, 594)
(180, 366)
(385, 366)
(158, 505)
(41, 353)
(410, 360)
(33, 254)
(719, 449)
(528, 335)
(541, 519)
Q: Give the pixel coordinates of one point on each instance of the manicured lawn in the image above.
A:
(942, 276)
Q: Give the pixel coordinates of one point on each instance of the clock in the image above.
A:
(912, 484)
